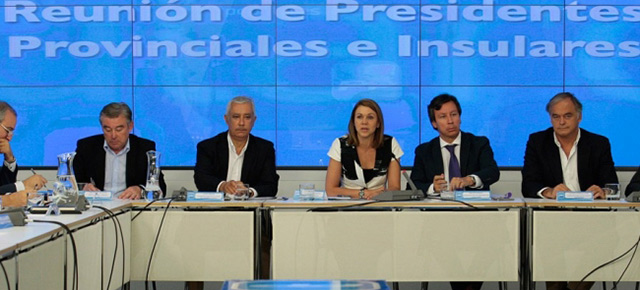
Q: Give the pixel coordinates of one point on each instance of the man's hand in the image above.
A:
(5, 148)
(461, 182)
(597, 191)
(438, 183)
(553, 192)
(34, 182)
(232, 187)
(132, 192)
(90, 187)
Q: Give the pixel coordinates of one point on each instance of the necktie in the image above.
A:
(454, 165)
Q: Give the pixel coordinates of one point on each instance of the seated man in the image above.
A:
(9, 171)
(566, 158)
(234, 158)
(116, 160)
(460, 159)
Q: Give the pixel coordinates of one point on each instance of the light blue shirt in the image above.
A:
(115, 171)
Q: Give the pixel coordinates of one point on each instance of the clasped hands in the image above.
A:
(598, 192)
(440, 183)
(234, 187)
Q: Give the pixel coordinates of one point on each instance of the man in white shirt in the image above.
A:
(566, 157)
(232, 159)
(9, 171)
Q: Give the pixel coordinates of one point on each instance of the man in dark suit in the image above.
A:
(234, 158)
(461, 159)
(477, 168)
(9, 170)
(116, 160)
(565, 157)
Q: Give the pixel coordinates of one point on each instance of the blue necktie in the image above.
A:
(454, 166)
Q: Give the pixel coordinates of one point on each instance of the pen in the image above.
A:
(44, 185)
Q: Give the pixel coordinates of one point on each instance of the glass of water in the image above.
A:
(612, 190)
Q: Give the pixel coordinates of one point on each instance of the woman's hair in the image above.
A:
(378, 135)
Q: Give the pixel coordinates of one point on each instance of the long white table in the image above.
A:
(402, 241)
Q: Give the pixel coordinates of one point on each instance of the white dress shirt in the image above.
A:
(569, 165)
(234, 168)
(115, 171)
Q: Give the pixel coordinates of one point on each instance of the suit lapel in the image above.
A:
(436, 152)
(465, 147)
(584, 151)
(248, 159)
(554, 154)
(131, 162)
(223, 148)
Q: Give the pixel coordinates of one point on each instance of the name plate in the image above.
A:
(205, 196)
(574, 196)
(473, 195)
(97, 195)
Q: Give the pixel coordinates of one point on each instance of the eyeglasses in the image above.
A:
(9, 131)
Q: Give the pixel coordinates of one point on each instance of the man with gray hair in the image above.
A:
(115, 160)
(234, 158)
(9, 171)
(566, 157)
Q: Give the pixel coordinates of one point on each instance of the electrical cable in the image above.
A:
(148, 204)
(6, 277)
(153, 249)
(634, 247)
(115, 251)
(74, 282)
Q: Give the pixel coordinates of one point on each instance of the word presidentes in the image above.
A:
(408, 46)
(335, 10)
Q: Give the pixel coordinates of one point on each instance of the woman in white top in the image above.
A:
(365, 160)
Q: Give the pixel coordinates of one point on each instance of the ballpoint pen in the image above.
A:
(44, 184)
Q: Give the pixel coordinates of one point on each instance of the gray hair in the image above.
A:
(115, 110)
(241, 100)
(563, 96)
(4, 106)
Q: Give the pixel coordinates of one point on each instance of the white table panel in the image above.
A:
(194, 245)
(42, 266)
(89, 254)
(566, 245)
(396, 246)
(108, 249)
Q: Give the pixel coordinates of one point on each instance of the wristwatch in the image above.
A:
(361, 193)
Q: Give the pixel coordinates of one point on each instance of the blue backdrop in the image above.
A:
(306, 62)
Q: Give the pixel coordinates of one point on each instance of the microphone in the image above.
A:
(413, 194)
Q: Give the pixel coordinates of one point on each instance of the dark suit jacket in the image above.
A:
(258, 168)
(542, 166)
(634, 185)
(90, 161)
(7, 180)
(476, 157)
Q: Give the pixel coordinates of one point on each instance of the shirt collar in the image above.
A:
(455, 141)
(232, 148)
(108, 149)
(575, 143)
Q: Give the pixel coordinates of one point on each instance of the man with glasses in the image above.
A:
(116, 160)
(9, 171)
